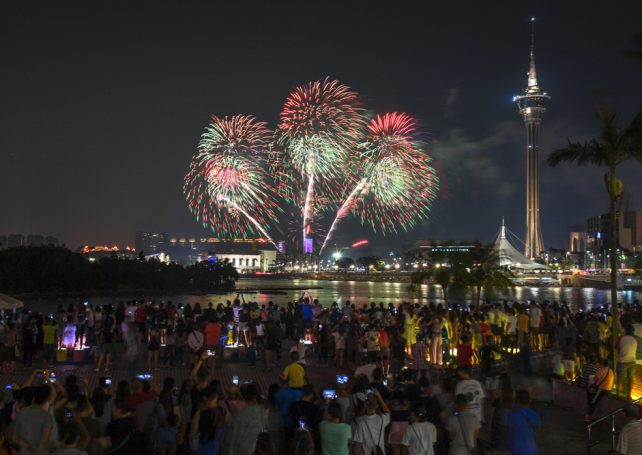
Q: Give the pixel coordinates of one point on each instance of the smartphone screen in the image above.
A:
(107, 381)
(329, 394)
(302, 424)
(342, 379)
(235, 380)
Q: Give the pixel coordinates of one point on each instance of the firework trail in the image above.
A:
(226, 186)
(321, 124)
(399, 182)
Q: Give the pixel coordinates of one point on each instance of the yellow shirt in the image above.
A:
(295, 374)
(522, 322)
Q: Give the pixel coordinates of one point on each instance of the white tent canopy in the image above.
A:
(510, 257)
(9, 303)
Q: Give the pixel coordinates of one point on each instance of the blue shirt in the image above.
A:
(522, 423)
(284, 399)
(306, 310)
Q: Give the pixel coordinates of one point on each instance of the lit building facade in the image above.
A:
(151, 243)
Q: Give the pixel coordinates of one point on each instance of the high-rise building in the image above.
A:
(151, 242)
(35, 240)
(3, 242)
(531, 105)
(15, 240)
(628, 230)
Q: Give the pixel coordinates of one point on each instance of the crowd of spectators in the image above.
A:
(408, 387)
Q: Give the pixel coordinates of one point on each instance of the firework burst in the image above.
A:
(227, 187)
(399, 182)
(321, 124)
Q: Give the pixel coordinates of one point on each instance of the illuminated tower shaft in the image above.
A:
(532, 107)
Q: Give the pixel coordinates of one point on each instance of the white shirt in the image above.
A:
(512, 324)
(370, 431)
(420, 437)
(475, 394)
(628, 349)
(195, 340)
(367, 369)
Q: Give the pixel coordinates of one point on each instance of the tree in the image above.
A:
(610, 149)
(484, 273)
(373, 262)
(449, 279)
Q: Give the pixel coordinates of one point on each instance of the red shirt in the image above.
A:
(383, 338)
(212, 333)
(464, 355)
(484, 327)
(139, 314)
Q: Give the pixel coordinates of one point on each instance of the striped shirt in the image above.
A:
(588, 369)
(630, 440)
(419, 352)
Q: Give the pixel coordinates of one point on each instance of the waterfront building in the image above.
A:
(531, 104)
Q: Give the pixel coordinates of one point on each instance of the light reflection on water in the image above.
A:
(362, 292)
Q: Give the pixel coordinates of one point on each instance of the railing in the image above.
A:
(613, 432)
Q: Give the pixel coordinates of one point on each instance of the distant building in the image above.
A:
(3, 242)
(15, 240)
(246, 257)
(94, 253)
(578, 242)
(628, 230)
(51, 241)
(151, 243)
(35, 240)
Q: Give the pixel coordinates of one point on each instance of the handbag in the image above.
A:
(594, 388)
(376, 450)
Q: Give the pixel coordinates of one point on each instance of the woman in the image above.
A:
(399, 415)
(339, 345)
(206, 434)
(410, 327)
(436, 342)
(169, 422)
(154, 348)
(250, 422)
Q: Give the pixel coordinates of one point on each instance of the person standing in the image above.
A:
(420, 435)
(536, 316)
(473, 391)
(419, 351)
(522, 424)
(626, 364)
(50, 330)
(335, 436)
(601, 385)
(369, 429)
(249, 423)
(463, 428)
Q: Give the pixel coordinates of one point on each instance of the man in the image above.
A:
(463, 428)
(50, 329)
(627, 351)
(305, 409)
(373, 343)
(523, 323)
(630, 440)
(368, 369)
(522, 423)
(34, 425)
(419, 351)
(472, 390)
(284, 399)
(335, 436)
(213, 338)
(369, 429)
(536, 316)
(420, 435)
(294, 373)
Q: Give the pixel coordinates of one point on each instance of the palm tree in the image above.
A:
(446, 277)
(611, 148)
(484, 273)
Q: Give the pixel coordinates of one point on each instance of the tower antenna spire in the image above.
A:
(532, 73)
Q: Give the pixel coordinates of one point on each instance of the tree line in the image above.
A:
(51, 269)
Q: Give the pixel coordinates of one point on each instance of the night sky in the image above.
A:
(102, 103)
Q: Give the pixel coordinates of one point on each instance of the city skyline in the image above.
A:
(102, 121)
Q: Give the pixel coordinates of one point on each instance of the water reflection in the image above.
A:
(361, 292)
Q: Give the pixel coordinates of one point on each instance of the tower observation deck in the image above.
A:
(532, 105)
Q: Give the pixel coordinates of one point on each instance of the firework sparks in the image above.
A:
(399, 183)
(321, 124)
(227, 187)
